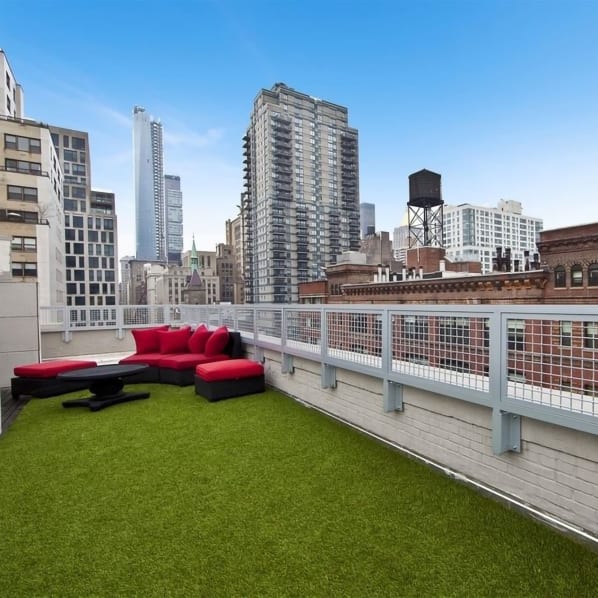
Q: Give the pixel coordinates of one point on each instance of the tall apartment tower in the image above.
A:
(149, 187)
(367, 213)
(31, 210)
(473, 233)
(301, 202)
(174, 218)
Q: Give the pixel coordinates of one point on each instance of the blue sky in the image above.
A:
(499, 97)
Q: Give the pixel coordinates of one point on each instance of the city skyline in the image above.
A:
(499, 98)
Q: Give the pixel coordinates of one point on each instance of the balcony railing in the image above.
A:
(532, 361)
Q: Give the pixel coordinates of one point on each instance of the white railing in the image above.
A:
(533, 361)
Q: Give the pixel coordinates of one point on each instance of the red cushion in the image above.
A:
(174, 341)
(233, 369)
(188, 361)
(146, 358)
(50, 369)
(146, 339)
(217, 342)
(197, 341)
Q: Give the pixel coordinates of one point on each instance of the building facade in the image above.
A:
(473, 233)
(31, 205)
(89, 225)
(149, 187)
(234, 239)
(301, 205)
(174, 218)
(367, 212)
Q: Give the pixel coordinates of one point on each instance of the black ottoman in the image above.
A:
(230, 378)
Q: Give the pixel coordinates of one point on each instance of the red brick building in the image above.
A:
(567, 273)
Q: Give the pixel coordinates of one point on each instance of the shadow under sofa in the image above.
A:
(179, 368)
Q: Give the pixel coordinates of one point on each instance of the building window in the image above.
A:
(590, 335)
(24, 269)
(415, 328)
(78, 143)
(23, 244)
(22, 144)
(454, 330)
(566, 334)
(593, 275)
(22, 193)
(70, 155)
(22, 166)
(516, 335)
(576, 276)
(560, 277)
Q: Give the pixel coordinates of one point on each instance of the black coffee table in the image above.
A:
(106, 384)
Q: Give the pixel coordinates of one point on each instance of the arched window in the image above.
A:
(560, 278)
(593, 275)
(576, 276)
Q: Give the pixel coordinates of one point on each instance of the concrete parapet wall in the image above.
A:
(85, 342)
(19, 329)
(556, 471)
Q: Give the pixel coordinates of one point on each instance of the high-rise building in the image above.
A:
(89, 223)
(174, 218)
(234, 239)
(11, 93)
(473, 233)
(31, 210)
(367, 213)
(301, 205)
(149, 187)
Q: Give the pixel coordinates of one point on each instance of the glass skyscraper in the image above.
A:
(149, 187)
(174, 218)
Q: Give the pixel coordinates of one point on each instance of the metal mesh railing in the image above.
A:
(553, 362)
(304, 330)
(446, 348)
(355, 337)
(538, 356)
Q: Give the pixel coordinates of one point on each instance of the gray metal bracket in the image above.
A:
(328, 376)
(506, 432)
(393, 396)
(287, 366)
(258, 354)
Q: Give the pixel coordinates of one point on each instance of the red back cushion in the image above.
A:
(174, 341)
(146, 339)
(217, 342)
(197, 341)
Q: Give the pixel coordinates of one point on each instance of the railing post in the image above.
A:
(328, 372)
(120, 330)
(67, 335)
(506, 427)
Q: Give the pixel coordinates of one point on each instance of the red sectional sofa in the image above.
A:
(172, 355)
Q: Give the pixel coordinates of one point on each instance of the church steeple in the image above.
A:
(194, 258)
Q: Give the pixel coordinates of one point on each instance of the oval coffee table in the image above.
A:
(106, 384)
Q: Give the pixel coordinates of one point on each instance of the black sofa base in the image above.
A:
(177, 377)
(226, 389)
(42, 388)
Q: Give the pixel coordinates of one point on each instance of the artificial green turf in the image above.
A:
(254, 496)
